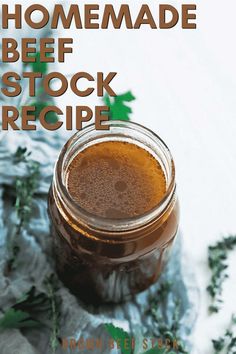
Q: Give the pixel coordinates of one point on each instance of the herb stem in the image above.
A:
(55, 315)
(25, 188)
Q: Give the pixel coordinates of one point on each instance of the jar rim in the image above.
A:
(108, 224)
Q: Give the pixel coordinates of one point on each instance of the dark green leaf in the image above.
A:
(213, 309)
(218, 344)
(32, 302)
(118, 109)
(227, 343)
(119, 334)
(37, 66)
(51, 117)
(23, 314)
(17, 319)
(21, 155)
(126, 97)
(156, 350)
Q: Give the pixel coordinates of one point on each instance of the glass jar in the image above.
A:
(108, 260)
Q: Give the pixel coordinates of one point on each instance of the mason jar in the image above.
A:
(110, 260)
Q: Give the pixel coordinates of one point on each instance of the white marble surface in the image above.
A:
(185, 84)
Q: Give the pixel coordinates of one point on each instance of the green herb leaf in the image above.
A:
(32, 302)
(162, 328)
(51, 117)
(118, 109)
(119, 334)
(24, 312)
(21, 155)
(156, 350)
(17, 319)
(227, 343)
(126, 97)
(39, 103)
(218, 344)
(25, 188)
(37, 66)
(217, 262)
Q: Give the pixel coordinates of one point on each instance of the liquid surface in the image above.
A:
(116, 180)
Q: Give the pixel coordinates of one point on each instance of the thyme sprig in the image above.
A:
(217, 261)
(54, 300)
(25, 188)
(227, 343)
(161, 327)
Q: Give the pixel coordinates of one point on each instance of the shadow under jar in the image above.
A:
(109, 257)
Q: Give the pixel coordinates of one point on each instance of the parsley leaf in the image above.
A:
(119, 334)
(118, 109)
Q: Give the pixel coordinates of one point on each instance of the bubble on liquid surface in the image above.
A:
(120, 186)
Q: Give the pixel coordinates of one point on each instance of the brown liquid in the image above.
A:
(112, 179)
(116, 180)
